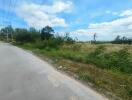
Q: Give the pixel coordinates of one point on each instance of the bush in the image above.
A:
(24, 36)
(76, 47)
(51, 43)
(119, 61)
(96, 57)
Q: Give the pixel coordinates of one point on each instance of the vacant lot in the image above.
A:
(106, 67)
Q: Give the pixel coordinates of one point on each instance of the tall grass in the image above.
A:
(119, 60)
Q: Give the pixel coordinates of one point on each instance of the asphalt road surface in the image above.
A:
(24, 76)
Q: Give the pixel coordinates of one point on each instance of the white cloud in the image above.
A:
(109, 30)
(41, 15)
(110, 12)
(126, 13)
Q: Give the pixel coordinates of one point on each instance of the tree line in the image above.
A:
(122, 40)
(44, 36)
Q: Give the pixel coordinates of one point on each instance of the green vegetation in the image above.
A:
(118, 60)
(106, 67)
(107, 70)
(122, 40)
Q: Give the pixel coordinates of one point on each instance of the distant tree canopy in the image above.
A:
(68, 39)
(122, 40)
(7, 30)
(22, 35)
(43, 38)
(47, 33)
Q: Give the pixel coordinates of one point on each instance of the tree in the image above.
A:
(32, 30)
(35, 34)
(22, 35)
(47, 33)
(68, 39)
(117, 39)
(122, 40)
(7, 32)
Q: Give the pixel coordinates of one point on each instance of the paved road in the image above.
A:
(23, 76)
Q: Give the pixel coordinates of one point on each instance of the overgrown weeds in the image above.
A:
(110, 72)
(119, 60)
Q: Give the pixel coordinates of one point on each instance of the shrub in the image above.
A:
(24, 36)
(96, 57)
(119, 60)
(76, 47)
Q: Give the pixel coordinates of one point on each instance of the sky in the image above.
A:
(82, 18)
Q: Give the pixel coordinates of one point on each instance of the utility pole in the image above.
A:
(8, 24)
(7, 36)
(11, 36)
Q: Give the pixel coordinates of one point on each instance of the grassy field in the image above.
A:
(105, 67)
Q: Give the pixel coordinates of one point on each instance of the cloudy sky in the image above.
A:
(83, 18)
